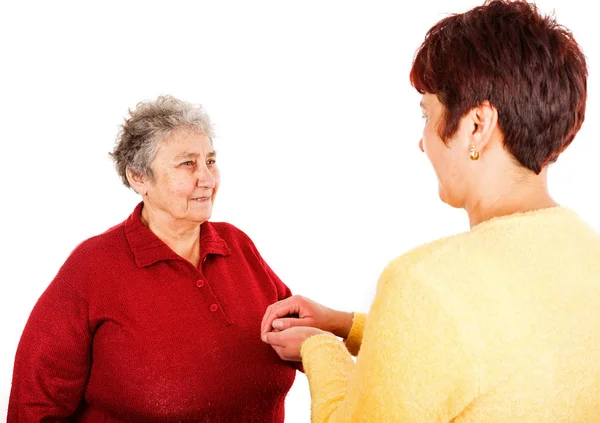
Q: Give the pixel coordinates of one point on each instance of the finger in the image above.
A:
(268, 313)
(280, 309)
(275, 339)
(286, 323)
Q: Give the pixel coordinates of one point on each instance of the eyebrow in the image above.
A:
(188, 155)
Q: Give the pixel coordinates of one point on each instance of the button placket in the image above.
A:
(206, 291)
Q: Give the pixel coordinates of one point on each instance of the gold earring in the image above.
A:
(473, 154)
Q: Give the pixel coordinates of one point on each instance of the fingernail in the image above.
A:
(264, 338)
(278, 325)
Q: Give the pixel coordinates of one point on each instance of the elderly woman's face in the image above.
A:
(450, 161)
(186, 177)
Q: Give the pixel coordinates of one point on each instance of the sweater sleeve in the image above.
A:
(412, 366)
(283, 292)
(282, 289)
(53, 358)
(355, 336)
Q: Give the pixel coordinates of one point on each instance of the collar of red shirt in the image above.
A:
(148, 249)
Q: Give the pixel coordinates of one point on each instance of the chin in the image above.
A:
(203, 218)
(448, 199)
(199, 218)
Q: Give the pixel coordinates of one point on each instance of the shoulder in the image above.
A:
(439, 267)
(437, 254)
(102, 246)
(92, 257)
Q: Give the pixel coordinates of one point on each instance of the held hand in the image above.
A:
(287, 343)
(309, 313)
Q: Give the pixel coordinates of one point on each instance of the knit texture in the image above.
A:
(354, 339)
(128, 331)
(499, 324)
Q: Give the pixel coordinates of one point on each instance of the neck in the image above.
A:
(519, 192)
(183, 238)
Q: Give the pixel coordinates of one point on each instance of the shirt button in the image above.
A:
(199, 283)
(214, 307)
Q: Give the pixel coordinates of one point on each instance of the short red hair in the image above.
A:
(526, 65)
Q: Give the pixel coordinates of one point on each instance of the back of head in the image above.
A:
(525, 64)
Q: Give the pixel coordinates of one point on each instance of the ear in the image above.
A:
(485, 121)
(137, 181)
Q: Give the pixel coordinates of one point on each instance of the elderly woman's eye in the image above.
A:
(211, 161)
(188, 163)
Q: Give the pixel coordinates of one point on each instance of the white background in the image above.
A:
(317, 129)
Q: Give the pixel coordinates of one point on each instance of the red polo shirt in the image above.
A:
(130, 331)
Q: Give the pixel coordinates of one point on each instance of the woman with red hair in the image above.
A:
(501, 323)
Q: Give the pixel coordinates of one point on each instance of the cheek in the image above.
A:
(430, 140)
(178, 184)
(455, 182)
(443, 165)
(433, 149)
(217, 178)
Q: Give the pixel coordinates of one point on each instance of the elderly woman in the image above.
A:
(158, 318)
(499, 324)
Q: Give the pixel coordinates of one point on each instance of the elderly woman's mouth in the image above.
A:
(201, 199)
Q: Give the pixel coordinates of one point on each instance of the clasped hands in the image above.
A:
(288, 323)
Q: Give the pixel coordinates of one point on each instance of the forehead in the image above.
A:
(430, 102)
(427, 99)
(186, 141)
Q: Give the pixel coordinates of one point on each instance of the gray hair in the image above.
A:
(147, 126)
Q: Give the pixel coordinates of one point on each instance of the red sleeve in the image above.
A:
(283, 292)
(53, 358)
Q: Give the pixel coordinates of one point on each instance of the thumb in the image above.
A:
(286, 323)
(273, 338)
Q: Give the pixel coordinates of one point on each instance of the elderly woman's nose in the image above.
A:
(205, 177)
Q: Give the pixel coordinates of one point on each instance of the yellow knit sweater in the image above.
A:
(499, 324)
